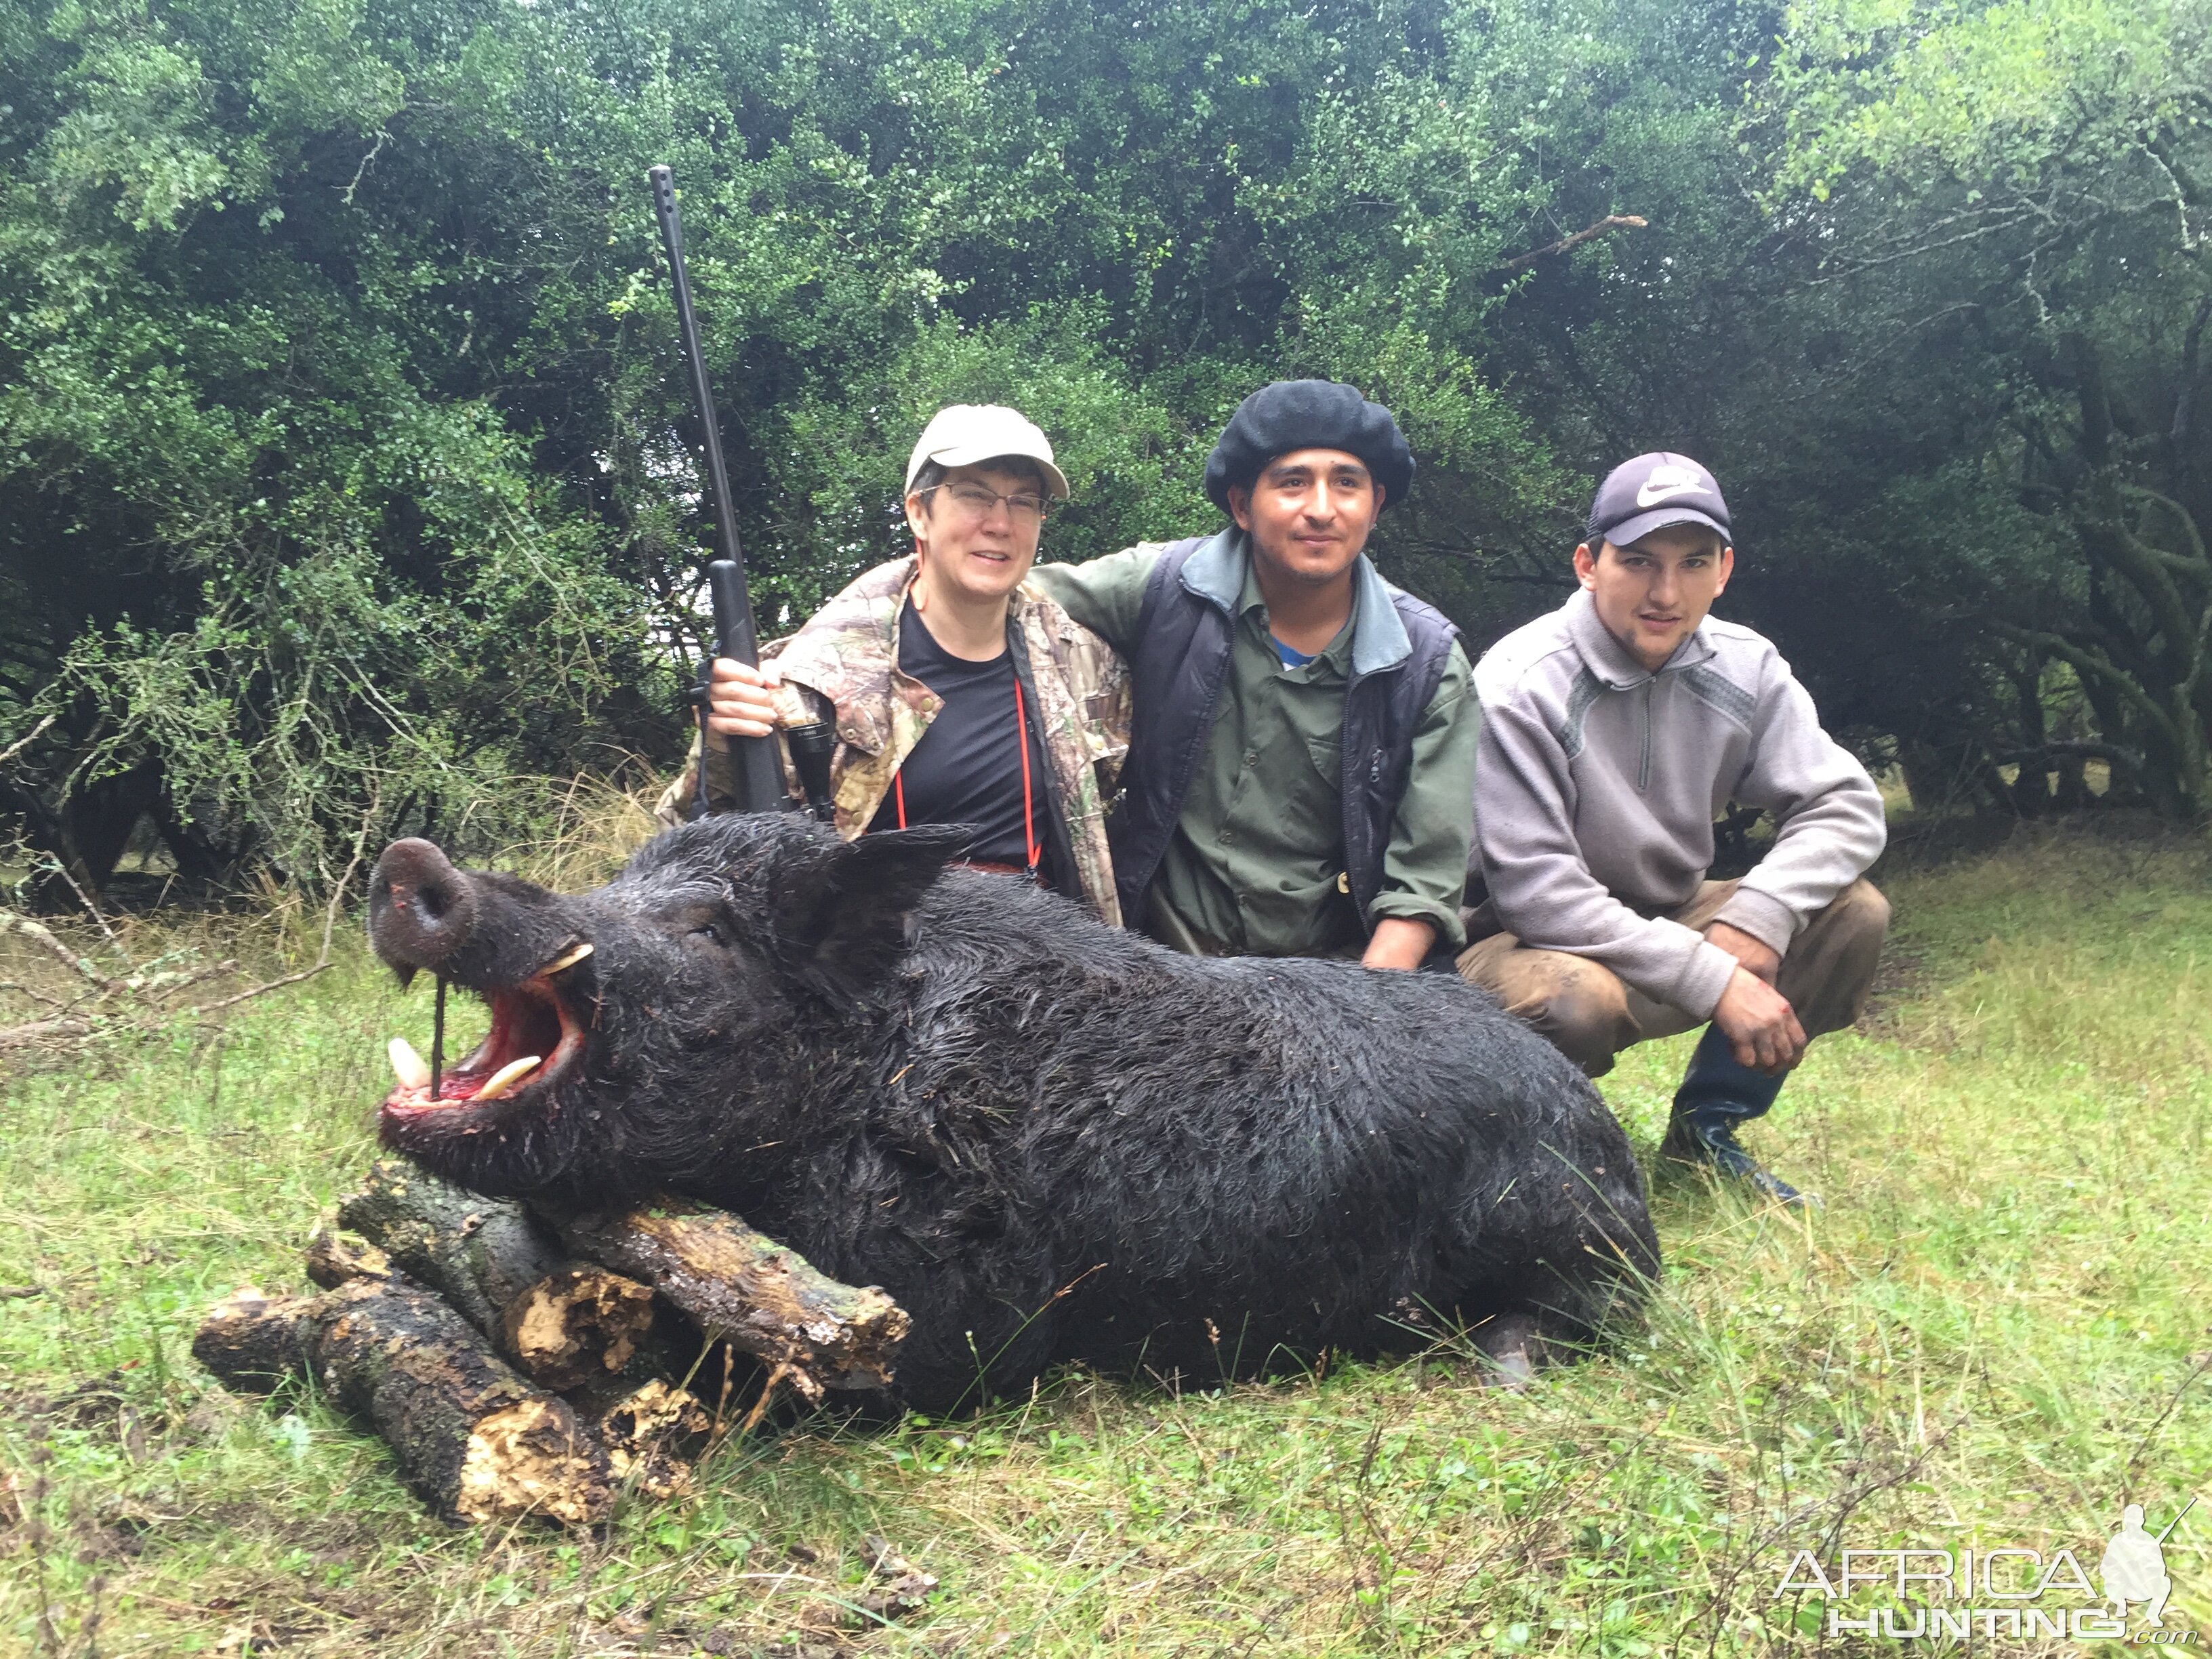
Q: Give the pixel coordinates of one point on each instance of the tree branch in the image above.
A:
(16, 1037)
(1611, 223)
(2185, 404)
(2093, 662)
(41, 936)
(26, 740)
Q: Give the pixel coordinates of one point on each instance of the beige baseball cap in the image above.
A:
(962, 434)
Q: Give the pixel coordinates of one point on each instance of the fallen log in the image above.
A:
(564, 1323)
(745, 1288)
(473, 1438)
(479, 1253)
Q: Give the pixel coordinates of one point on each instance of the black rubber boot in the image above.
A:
(1717, 1093)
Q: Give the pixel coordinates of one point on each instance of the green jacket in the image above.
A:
(1256, 862)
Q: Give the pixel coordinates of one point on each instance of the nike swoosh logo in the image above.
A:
(1664, 485)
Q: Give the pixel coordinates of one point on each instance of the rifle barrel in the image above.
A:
(759, 775)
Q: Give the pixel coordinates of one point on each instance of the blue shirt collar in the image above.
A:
(1215, 572)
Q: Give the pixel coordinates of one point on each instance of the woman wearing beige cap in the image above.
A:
(959, 693)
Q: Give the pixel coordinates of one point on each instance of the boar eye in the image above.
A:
(713, 931)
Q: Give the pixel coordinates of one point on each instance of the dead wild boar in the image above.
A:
(1048, 1140)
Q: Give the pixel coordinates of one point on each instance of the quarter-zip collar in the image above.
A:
(1613, 662)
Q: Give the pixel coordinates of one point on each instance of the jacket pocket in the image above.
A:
(1327, 756)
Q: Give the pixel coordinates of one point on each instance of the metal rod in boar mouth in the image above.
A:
(759, 775)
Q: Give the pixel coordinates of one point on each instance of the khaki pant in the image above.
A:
(1589, 1015)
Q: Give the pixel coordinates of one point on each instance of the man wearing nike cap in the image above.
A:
(1614, 730)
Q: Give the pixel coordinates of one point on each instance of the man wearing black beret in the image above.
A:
(1303, 750)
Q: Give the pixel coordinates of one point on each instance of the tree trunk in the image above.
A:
(2031, 789)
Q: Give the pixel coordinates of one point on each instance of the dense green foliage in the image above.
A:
(345, 467)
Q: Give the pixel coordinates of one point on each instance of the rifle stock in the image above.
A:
(756, 774)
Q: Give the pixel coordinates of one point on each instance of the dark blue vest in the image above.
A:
(1177, 670)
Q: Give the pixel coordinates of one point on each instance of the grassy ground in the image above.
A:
(1998, 1332)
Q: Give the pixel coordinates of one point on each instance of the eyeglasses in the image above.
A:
(978, 502)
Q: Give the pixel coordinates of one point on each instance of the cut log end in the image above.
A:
(653, 1436)
(477, 1252)
(253, 1342)
(335, 1256)
(533, 1458)
(577, 1326)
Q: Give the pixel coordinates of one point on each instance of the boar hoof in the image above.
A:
(1508, 1344)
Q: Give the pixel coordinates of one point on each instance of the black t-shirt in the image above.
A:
(967, 767)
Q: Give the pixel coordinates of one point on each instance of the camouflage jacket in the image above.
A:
(843, 666)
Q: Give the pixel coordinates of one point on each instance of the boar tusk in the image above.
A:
(507, 1077)
(568, 959)
(408, 1066)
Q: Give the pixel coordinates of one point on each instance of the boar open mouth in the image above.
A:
(535, 1038)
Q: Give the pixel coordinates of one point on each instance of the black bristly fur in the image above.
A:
(965, 1091)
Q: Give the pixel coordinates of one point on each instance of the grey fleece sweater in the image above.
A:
(1597, 783)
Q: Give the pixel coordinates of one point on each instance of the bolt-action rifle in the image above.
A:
(757, 777)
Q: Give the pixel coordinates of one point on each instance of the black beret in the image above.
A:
(1309, 415)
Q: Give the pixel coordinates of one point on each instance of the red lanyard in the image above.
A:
(1029, 814)
(1028, 799)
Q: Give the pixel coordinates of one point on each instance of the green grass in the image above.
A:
(1996, 1333)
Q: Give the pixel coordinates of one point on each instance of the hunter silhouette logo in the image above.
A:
(2133, 1567)
(2013, 1592)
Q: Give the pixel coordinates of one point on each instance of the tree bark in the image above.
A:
(746, 1288)
(564, 1323)
(481, 1253)
(477, 1440)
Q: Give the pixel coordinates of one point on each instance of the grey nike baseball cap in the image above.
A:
(1652, 492)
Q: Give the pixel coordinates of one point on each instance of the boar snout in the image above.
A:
(420, 908)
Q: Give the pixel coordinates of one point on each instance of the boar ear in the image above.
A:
(847, 918)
